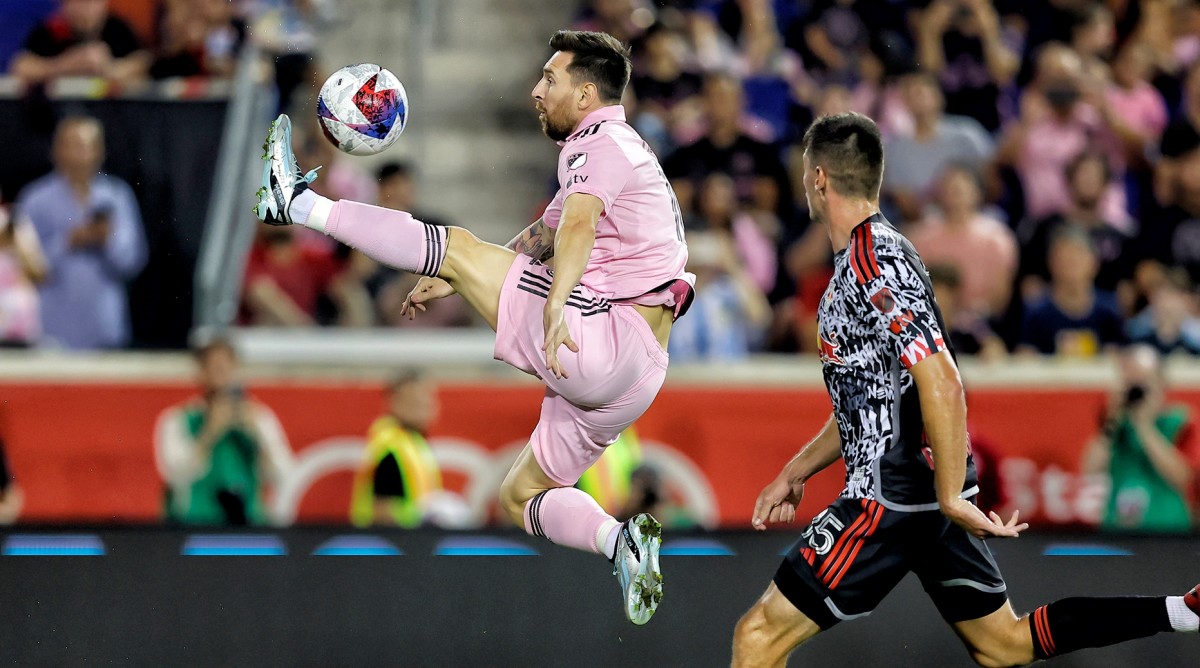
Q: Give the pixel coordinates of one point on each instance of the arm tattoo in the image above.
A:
(536, 241)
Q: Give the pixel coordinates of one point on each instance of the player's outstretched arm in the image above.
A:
(779, 499)
(536, 241)
(944, 410)
(573, 243)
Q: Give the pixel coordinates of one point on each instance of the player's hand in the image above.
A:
(968, 516)
(555, 324)
(426, 290)
(777, 502)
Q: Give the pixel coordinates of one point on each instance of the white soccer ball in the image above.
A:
(362, 109)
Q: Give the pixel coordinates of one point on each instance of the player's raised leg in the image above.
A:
(768, 633)
(1003, 639)
(475, 269)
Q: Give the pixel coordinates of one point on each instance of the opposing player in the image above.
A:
(899, 423)
(594, 329)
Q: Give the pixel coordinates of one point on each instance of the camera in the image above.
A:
(1134, 395)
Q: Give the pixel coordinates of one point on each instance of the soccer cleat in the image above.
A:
(282, 179)
(636, 566)
(1192, 600)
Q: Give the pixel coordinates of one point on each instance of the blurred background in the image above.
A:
(165, 361)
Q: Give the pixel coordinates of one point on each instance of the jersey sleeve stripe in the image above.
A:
(862, 254)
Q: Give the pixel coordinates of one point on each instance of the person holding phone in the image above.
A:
(1145, 446)
(218, 453)
(89, 225)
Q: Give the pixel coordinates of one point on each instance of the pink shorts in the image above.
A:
(611, 381)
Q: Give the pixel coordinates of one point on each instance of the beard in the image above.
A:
(555, 128)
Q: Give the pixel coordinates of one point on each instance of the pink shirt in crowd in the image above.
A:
(639, 238)
(984, 251)
(1050, 146)
(1141, 108)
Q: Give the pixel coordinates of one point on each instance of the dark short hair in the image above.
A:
(206, 345)
(403, 378)
(1085, 157)
(1071, 233)
(390, 169)
(597, 58)
(848, 147)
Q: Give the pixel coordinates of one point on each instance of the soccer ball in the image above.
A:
(362, 109)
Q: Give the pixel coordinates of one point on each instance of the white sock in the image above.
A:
(1182, 618)
(310, 210)
(606, 538)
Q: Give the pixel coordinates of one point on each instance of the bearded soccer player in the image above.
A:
(594, 329)
(899, 423)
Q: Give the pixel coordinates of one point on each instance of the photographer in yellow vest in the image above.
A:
(398, 470)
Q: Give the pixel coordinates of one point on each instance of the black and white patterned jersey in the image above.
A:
(876, 320)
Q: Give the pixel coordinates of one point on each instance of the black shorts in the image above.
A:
(854, 552)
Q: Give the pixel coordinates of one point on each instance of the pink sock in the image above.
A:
(570, 517)
(392, 237)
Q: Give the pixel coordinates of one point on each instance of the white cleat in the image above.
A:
(282, 179)
(636, 566)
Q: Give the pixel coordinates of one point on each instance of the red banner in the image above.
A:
(84, 451)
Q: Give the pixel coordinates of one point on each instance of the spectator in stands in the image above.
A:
(11, 496)
(1171, 236)
(199, 38)
(1074, 318)
(285, 280)
(388, 288)
(667, 94)
(399, 472)
(756, 168)
(1145, 447)
(967, 333)
(649, 494)
(773, 78)
(962, 45)
(218, 452)
(82, 39)
(1171, 320)
(1181, 137)
(753, 234)
(624, 19)
(983, 249)
(22, 268)
(916, 161)
(843, 42)
(90, 227)
(1132, 106)
(287, 30)
(1055, 125)
(1088, 175)
(730, 314)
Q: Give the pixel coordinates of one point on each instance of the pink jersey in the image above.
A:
(639, 239)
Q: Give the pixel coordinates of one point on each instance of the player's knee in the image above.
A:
(1002, 651)
(750, 636)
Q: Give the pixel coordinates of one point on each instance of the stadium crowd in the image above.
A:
(1042, 155)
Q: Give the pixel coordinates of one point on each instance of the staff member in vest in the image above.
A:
(1145, 447)
(608, 480)
(399, 471)
(217, 452)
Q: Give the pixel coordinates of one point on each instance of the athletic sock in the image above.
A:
(567, 516)
(392, 237)
(1078, 623)
(1181, 616)
(607, 537)
(311, 210)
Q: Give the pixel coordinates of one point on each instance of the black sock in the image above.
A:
(1078, 623)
